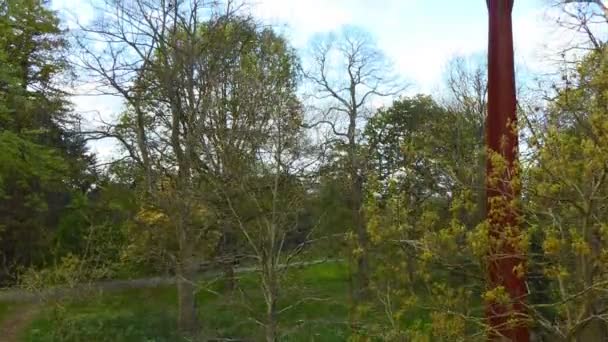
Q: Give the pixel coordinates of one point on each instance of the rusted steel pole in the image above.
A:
(506, 261)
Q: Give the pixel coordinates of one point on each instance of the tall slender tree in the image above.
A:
(347, 72)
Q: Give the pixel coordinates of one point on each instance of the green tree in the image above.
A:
(201, 101)
(421, 209)
(566, 206)
(43, 159)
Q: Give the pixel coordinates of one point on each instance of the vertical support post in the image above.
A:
(506, 261)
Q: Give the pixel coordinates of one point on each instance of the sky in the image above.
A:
(418, 36)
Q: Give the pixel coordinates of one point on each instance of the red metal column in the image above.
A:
(506, 262)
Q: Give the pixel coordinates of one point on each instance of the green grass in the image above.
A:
(149, 314)
(142, 315)
(5, 310)
(314, 298)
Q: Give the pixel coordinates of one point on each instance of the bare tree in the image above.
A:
(466, 99)
(273, 197)
(266, 201)
(202, 95)
(347, 73)
(467, 85)
(586, 18)
(149, 53)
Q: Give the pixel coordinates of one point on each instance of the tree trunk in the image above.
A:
(187, 317)
(229, 276)
(271, 294)
(362, 274)
(228, 251)
(356, 180)
(271, 320)
(187, 320)
(595, 330)
(142, 143)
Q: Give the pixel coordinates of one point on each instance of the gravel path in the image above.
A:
(25, 296)
(17, 322)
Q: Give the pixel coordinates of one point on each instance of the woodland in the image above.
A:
(259, 192)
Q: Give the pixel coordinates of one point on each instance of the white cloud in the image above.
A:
(72, 11)
(419, 36)
(303, 18)
(95, 110)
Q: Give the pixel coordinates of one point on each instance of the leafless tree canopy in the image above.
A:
(588, 19)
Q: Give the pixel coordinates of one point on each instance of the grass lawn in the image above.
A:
(314, 303)
(149, 314)
(314, 306)
(5, 310)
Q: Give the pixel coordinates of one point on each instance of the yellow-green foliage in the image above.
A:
(567, 201)
(423, 223)
(153, 233)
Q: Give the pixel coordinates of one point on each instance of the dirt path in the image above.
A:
(24, 296)
(28, 302)
(16, 322)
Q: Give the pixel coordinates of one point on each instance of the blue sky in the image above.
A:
(418, 36)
